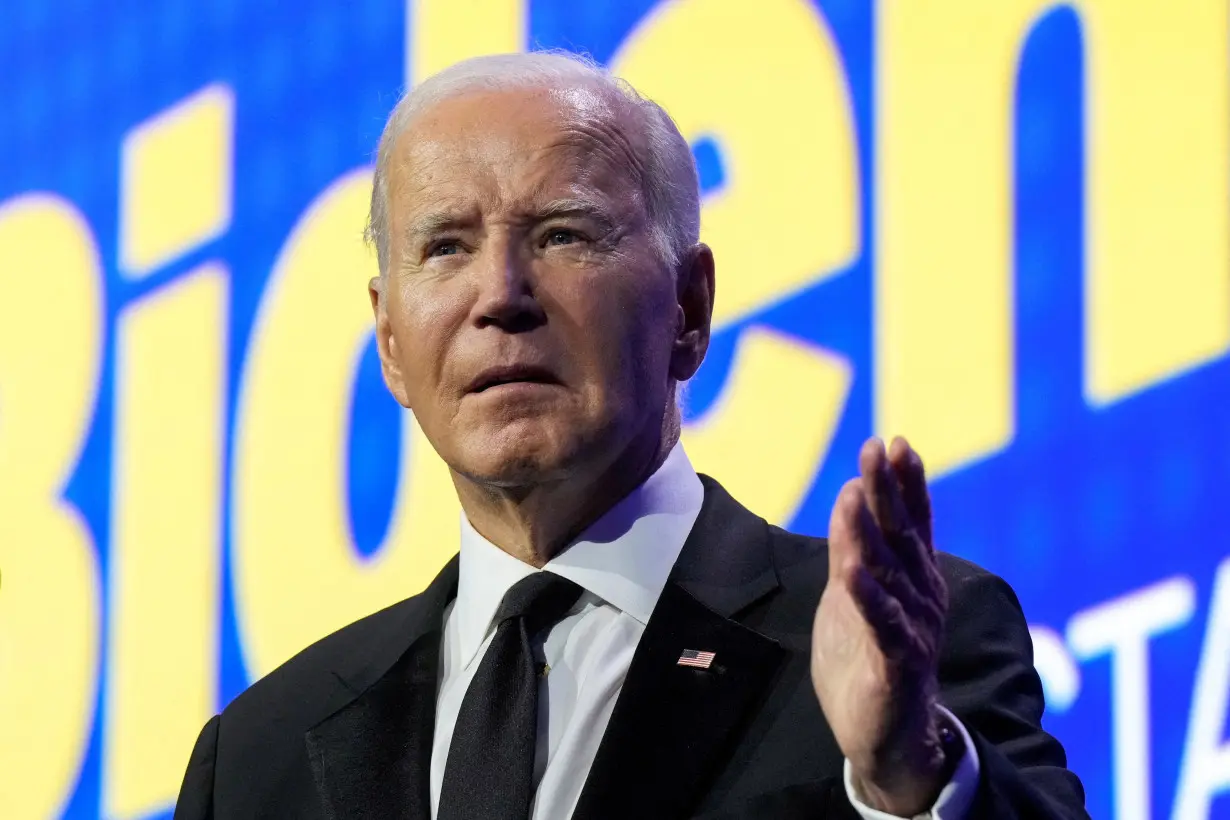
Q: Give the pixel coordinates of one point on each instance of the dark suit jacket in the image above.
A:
(344, 729)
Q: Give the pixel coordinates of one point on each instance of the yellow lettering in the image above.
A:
(792, 174)
(165, 555)
(752, 412)
(176, 174)
(1158, 295)
(297, 575)
(786, 217)
(1158, 276)
(49, 609)
(442, 32)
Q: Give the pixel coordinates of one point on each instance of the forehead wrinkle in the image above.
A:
(553, 180)
(505, 170)
(425, 189)
(588, 125)
(607, 157)
(432, 163)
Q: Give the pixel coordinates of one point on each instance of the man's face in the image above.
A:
(525, 317)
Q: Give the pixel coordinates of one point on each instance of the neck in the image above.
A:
(533, 523)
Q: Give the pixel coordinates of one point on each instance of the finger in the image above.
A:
(855, 541)
(888, 506)
(883, 494)
(882, 612)
(856, 545)
(845, 537)
(917, 558)
(855, 536)
(885, 565)
(861, 542)
(907, 466)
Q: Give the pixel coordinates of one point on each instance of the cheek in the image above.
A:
(422, 328)
(630, 330)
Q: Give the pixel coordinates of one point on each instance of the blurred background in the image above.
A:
(1002, 229)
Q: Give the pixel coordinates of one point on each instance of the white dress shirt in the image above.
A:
(622, 562)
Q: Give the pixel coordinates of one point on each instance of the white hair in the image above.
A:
(669, 182)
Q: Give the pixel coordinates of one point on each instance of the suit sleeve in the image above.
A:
(196, 795)
(987, 679)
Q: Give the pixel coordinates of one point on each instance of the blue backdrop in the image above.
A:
(919, 218)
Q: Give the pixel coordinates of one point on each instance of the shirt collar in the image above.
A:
(624, 558)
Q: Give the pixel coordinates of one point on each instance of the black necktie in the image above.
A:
(489, 773)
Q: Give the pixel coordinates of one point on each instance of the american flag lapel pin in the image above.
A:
(696, 659)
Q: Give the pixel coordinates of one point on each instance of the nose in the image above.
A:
(506, 297)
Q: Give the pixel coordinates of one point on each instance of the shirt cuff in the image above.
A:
(955, 798)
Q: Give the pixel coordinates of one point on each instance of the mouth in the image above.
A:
(494, 377)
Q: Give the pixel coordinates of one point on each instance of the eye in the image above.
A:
(445, 247)
(560, 236)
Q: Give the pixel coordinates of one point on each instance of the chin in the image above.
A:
(519, 455)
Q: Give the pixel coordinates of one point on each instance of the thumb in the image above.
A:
(845, 537)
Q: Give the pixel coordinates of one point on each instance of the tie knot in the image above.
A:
(541, 599)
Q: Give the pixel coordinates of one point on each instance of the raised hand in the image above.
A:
(876, 638)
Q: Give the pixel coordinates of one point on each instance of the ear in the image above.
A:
(694, 289)
(386, 344)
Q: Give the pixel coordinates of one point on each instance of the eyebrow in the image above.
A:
(433, 223)
(571, 207)
(577, 208)
(436, 222)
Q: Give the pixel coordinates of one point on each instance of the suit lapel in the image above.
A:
(372, 757)
(673, 725)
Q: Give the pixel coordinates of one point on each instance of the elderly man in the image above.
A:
(618, 637)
